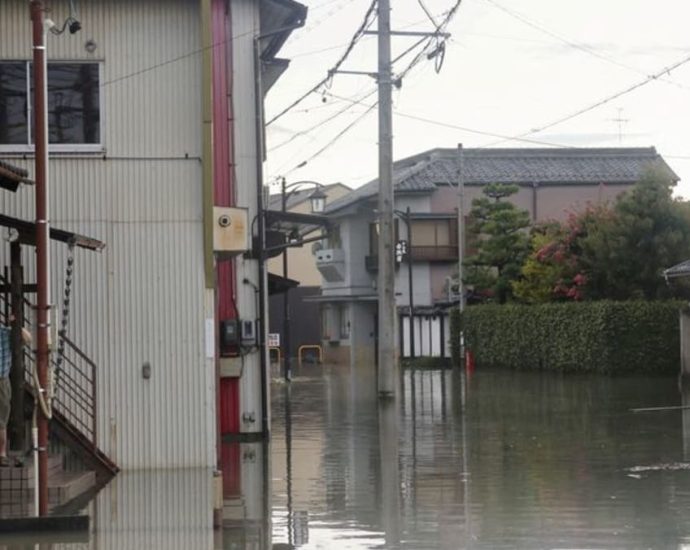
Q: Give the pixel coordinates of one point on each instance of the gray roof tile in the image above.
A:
(519, 165)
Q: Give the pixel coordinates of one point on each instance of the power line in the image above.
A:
(479, 132)
(368, 20)
(333, 140)
(175, 59)
(424, 52)
(581, 47)
(463, 128)
(579, 112)
(322, 122)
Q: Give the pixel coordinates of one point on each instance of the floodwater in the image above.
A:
(499, 460)
(502, 460)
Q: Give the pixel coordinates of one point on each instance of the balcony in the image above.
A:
(438, 253)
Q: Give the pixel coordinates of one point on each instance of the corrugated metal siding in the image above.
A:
(142, 299)
(155, 510)
(245, 25)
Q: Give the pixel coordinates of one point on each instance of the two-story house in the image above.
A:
(551, 183)
(155, 149)
(300, 320)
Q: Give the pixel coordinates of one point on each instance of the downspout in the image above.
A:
(535, 201)
(42, 250)
(261, 219)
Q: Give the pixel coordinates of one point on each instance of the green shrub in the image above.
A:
(606, 337)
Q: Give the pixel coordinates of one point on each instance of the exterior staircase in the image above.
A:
(17, 483)
(73, 430)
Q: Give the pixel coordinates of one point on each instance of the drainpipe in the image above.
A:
(261, 218)
(42, 242)
(535, 188)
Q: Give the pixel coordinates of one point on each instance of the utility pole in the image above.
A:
(461, 224)
(286, 300)
(410, 287)
(387, 364)
(42, 252)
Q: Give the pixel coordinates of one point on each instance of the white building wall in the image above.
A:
(141, 300)
(245, 26)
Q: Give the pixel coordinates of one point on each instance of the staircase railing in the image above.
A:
(75, 405)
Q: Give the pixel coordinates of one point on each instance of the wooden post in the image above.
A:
(17, 425)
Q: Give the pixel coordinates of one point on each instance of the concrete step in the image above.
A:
(65, 486)
(26, 472)
(62, 487)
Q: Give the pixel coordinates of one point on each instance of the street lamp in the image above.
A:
(318, 204)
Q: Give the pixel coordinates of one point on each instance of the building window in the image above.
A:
(434, 239)
(374, 236)
(74, 118)
(334, 240)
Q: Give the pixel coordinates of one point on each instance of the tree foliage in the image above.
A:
(610, 251)
(501, 244)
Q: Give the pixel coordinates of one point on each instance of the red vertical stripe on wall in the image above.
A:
(229, 405)
(231, 467)
(223, 152)
(223, 192)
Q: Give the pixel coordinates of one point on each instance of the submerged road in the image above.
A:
(502, 460)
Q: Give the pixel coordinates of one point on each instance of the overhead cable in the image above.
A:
(572, 44)
(608, 99)
(367, 21)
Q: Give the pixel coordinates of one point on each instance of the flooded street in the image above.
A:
(502, 460)
(535, 461)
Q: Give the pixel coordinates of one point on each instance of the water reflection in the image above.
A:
(500, 460)
(503, 460)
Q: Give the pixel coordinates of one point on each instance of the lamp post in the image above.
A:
(406, 216)
(318, 203)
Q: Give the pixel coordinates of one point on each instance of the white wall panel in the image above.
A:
(245, 25)
(142, 298)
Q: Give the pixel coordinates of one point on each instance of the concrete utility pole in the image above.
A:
(387, 364)
(42, 251)
(461, 224)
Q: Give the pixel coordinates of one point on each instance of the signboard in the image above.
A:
(273, 339)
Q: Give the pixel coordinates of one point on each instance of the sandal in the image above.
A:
(4, 462)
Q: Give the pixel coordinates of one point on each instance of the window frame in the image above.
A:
(30, 148)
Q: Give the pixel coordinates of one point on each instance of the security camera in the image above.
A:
(74, 26)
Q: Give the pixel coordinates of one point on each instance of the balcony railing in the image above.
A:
(440, 253)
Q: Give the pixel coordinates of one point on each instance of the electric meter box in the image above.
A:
(230, 231)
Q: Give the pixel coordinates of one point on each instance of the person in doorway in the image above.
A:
(5, 386)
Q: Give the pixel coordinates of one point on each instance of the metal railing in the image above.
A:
(74, 377)
(434, 253)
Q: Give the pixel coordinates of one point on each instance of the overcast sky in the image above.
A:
(503, 73)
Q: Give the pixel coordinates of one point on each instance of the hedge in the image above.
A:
(605, 337)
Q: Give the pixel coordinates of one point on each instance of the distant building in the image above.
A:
(551, 183)
(301, 264)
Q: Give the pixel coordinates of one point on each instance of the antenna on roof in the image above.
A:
(621, 121)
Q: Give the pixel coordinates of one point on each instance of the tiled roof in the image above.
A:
(520, 166)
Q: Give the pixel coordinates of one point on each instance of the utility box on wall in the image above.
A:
(230, 231)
